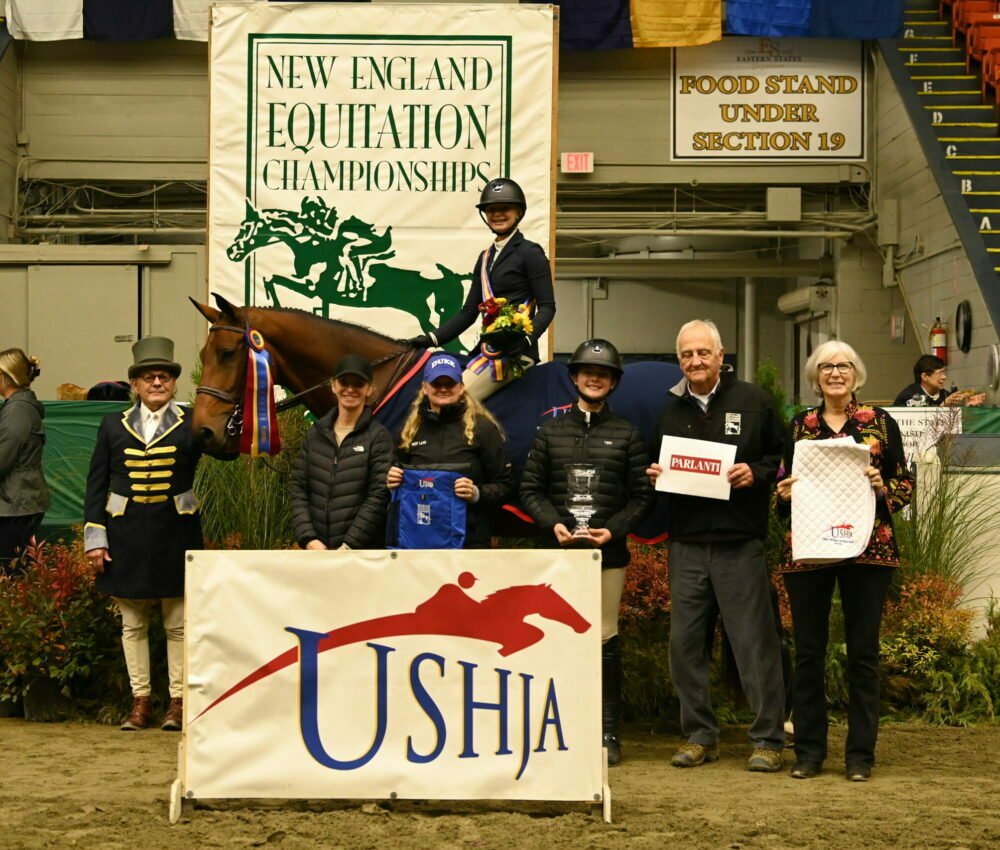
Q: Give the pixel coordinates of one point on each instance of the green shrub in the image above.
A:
(55, 625)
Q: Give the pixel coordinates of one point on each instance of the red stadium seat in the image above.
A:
(961, 13)
(978, 31)
(991, 68)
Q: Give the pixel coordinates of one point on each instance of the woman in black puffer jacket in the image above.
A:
(339, 496)
(446, 425)
(592, 435)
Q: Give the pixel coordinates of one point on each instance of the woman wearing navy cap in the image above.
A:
(446, 425)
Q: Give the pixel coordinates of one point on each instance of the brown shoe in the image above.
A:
(764, 761)
(174, 718)
(692, 755)
(139, 716)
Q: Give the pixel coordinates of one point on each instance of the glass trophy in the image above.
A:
(581, 484)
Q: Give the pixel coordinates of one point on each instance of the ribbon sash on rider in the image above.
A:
(260, 420)
(489, 357)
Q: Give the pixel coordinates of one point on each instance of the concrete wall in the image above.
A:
(9, 117)
(936, 278)
(116, 110)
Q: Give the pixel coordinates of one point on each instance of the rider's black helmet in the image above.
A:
(597, 352)
(502, 191)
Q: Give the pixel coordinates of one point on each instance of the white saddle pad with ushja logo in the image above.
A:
(833, 504)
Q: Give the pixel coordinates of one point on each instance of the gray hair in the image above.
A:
(823, 353)
(699, 323)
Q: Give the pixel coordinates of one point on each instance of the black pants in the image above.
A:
(15, 534)
(863, 588)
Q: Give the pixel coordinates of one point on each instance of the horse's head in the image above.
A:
(215, 421)
(260, 228)
(539, 599)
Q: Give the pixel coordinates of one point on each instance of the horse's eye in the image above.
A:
(226, 354)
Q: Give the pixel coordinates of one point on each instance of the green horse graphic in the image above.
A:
(342, 262)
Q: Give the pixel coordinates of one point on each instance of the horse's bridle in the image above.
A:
(234, 424)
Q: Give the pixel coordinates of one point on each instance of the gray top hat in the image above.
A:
(153, 352)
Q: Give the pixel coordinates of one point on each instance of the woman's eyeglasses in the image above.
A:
(842, 368)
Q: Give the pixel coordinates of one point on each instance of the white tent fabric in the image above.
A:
(45, 20)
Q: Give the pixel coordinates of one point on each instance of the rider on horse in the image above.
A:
(512, 290)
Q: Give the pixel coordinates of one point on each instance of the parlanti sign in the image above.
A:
(350, 143)
(787, 99)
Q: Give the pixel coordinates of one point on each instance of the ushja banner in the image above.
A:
(376, 674)
(350, 143)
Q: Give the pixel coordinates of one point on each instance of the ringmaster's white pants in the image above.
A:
(135, 642)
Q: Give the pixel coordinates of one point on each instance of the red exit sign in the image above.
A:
(577, 163)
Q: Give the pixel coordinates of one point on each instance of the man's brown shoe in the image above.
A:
(691, 755)
(764, 761)
(139, 716)
(174, 718)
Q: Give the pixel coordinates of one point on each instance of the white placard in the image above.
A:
(350, 142)
(695, 467)
(371, 674)
(922, 427)
(787, 99)
(833, 504)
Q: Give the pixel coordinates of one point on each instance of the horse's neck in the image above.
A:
(305, 350)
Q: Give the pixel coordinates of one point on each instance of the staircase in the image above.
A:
(959, 135)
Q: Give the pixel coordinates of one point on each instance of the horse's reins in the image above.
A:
(235, 421)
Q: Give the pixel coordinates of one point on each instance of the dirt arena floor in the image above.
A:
(88, 786)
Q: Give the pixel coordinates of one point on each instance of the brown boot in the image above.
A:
(174, 718)
(139, 716)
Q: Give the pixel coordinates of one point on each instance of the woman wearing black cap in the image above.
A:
(339, 496)
(512, 268)
(591, 439)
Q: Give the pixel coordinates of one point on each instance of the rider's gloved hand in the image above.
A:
(517, 347)
(422, 341)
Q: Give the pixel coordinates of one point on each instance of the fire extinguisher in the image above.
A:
(939, 340)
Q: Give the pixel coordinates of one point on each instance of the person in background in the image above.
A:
(590, 433)
(717, 551)
(339, 496)
(141, 516)
(446, 425)
(24, 494)
(835, 372)
(928, 387)
(512, 268)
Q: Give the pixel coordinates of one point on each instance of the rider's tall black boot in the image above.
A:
(611, 697)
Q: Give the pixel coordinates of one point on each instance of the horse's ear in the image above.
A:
(227, 309)
(209, 313)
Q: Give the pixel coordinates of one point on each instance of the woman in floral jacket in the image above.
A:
(835, 372)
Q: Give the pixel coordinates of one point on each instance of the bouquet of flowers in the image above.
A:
(504, 326)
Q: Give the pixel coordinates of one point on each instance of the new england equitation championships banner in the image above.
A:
(350, 143)
(383, 674)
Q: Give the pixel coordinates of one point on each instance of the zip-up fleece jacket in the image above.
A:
(23, 490)
(440, 439)
(624, 495)
(743, 415)
(338, 492)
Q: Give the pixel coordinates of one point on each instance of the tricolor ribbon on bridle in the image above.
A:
(489, 357)
(260, 418)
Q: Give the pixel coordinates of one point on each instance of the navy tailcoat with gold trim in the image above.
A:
(140, 504)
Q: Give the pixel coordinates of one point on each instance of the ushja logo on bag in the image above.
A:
(840, 534)
(704, 465)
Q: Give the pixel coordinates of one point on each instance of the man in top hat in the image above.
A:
(141, 516)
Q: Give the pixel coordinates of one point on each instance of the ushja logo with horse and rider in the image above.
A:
(529, 716)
